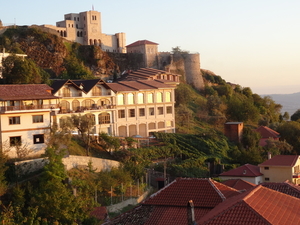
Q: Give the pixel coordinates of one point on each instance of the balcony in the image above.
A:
(4, 109)
(296, 175)
(81, 109)
(70, 95)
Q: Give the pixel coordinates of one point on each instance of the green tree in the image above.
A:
(75, 69)
(286, 116)
(250, 138)
(3, 168)
(290, 132)
(23, 71)
(109, 143)
(277, 147)
(53, 196)
(296, 115)
(215, 106)
(83, 123)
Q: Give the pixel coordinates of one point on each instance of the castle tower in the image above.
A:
(148, 49)
(86, 29)
(192, 70)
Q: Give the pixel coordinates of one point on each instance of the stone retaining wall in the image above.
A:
(70, 162)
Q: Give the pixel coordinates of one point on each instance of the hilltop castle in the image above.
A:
(179, 62)
(86, 29)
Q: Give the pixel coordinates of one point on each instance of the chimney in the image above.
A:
(191, 213)
(269, 155)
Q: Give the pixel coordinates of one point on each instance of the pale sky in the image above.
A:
(254, 43)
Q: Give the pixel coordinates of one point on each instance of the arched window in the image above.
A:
(66, 92)
(150, 98)
(87, 103)
(120, 98)
(104, 118)
(159, 97)
(168, 96)
(61, 33)
(78, 34)
(65, 106)
(140, 98)
(65, 33)
(130, 98)
(95, 42)
(96, 91)
(91, 42)
(75, 105)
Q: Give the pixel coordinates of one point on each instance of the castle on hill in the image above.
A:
(86, 29)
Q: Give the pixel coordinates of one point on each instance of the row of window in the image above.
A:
(17, 141)
(141, 98)
(103, 118)
(142, 112)
(17, 119)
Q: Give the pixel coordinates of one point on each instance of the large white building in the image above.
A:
(86, 29)
(126, 108)
(25, 117)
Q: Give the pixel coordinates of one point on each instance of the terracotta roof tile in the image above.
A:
(281, 160)
(203, 192)
(138, 85)
(259, 205)
(267, 132)
(141, 42)
(238, 184)
(145, 74)
(246, 170)
(285, 187)
(25, 92)
(100, 213)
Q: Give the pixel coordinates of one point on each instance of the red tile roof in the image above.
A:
(100, 213)
(203, 192)
(147, 74)
(285, 187)
(246, 170)
(25, 92)
(138, 85)
(141, 42)
(238, 184)
(259, 205)
(169, 205)
(267, 132)
(281, 160)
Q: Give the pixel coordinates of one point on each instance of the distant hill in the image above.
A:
(290, 102)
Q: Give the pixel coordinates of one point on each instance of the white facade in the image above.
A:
(254, 180)
(118, 109)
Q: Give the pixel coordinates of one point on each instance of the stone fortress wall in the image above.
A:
(186, 63)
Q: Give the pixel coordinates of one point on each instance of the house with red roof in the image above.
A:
(247, 172)
(284, 187)
(25, 117)
(169, 205)
(238, 184)
(280, 168)
(259, 206)
(267, 133)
